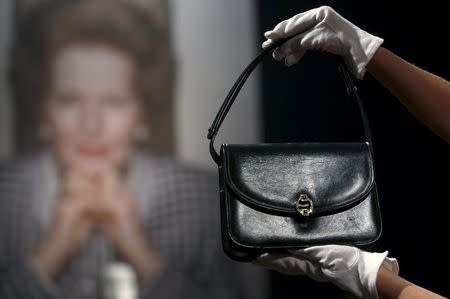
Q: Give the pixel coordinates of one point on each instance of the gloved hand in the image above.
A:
(349, 268)
(325, 30)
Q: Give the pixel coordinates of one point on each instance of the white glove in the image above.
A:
(325, 30)
(349, 268)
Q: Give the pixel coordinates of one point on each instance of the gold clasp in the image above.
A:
(304, 205)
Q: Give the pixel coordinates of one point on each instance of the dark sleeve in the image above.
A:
(189, 214)
(211, 277)
(18, 280)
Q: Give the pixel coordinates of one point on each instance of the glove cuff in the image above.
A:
(369, 45)
(369, 266)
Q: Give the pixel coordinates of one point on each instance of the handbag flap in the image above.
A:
(335, 176)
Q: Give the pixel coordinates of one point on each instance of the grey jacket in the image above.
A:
(179, 207)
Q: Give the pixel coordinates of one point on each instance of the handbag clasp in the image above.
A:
(304, 205)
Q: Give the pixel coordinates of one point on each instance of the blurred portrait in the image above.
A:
(93, 204)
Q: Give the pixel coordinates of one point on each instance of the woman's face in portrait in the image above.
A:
(92, 107)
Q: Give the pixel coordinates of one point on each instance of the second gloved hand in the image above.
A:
(324, 29)
(349, 268)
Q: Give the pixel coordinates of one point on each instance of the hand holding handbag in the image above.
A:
(295, 195)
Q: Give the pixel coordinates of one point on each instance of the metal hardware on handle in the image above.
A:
(304, 205)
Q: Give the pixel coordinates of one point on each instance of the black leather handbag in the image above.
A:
(295, 195)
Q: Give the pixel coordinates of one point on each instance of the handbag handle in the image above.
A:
(234, 91)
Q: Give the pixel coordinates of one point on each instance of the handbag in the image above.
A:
(278, 196)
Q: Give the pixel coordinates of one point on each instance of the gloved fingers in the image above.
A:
(314, 271)
(314, 250)
(294, 58)
(277, 55)
(280, 52)
(301, 22)
(267, 33)
(282, 263)
(331, 250)
(333, 258)
(267, 43)
(300, 252)
(290, 47)
(323, 39)
(291, 265)
(319, 253)
(391, 264)
(298, 45)
(279, 26)
(268, 257)
(295, 25)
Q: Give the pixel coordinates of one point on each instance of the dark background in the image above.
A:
(305, 103)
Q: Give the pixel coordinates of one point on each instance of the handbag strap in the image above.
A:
(351, 89)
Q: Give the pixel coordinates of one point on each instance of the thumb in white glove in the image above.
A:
(324, 29)
(349, 268)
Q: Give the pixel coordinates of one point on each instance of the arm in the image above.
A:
(391, 286)
(425, 95)
(364, 274)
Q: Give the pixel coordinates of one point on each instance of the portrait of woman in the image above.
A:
(90, 196)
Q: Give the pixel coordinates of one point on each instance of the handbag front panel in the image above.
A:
(260, 184)
(248, 227)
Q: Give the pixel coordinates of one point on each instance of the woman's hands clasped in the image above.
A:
(100, 200)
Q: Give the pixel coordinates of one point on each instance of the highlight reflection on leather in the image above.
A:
(260, 184)
(263, 186)
(271, 176)
(253, 228)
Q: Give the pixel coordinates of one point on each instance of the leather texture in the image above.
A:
(272, 176)
(261, 184)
